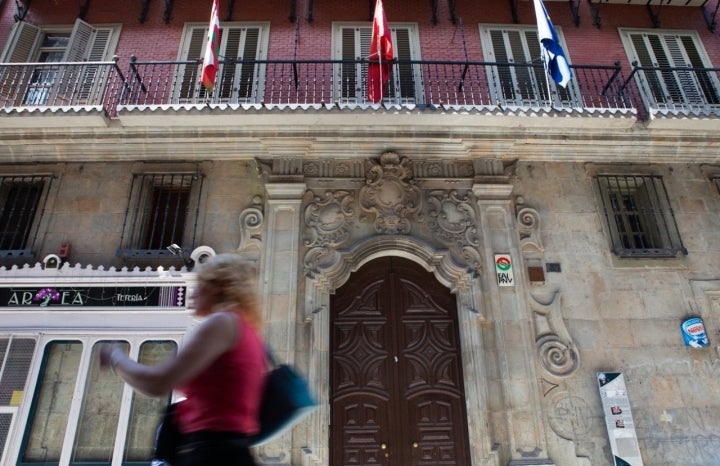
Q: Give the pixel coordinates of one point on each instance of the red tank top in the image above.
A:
(226, 396)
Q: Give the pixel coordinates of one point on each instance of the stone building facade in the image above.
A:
(453, 279)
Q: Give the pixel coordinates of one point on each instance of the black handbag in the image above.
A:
(286, 400)
(167, 438)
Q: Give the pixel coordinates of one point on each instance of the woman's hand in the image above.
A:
(109, 353)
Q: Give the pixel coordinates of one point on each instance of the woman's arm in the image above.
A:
(212, 338)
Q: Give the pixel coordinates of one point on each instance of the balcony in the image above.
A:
(104, 89)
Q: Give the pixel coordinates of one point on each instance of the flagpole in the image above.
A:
(547, 79)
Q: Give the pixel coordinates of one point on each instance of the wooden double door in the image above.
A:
(397, 393)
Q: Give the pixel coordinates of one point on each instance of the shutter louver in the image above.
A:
(21, 44)
(349, 70)
(247, 72)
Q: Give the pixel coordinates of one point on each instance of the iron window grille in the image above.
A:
(162, 209)
(639, 217)
(22, 206)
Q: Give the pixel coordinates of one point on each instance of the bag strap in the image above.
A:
(271, 356)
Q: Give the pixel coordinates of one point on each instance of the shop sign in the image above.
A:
(503, 270)
(92, 296)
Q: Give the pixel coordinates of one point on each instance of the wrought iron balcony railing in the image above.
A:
(424, 84)
(685, 90)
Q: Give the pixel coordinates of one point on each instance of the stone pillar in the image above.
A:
(515, 406)
(278, 289)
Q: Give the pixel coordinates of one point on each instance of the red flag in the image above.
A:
(381, 55)
(212, 50)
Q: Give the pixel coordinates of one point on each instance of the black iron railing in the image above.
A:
(677, 89)
(434, 84)
(421, 83)
(60, 84)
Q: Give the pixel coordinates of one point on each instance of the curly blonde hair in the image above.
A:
(231, 282)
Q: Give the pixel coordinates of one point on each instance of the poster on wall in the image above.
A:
(694, 334)
(618, 419)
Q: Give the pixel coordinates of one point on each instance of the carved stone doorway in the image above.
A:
(396, 379)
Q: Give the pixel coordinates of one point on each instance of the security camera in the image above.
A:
(202, 254)
(52, 261)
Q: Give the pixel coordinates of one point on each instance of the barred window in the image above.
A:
(639, 217)
(162, 210)
(22, 204)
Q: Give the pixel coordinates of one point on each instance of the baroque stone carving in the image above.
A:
(528, 221)
(328, 218)
(251, 225)
(452, 218)
(390, 194)
(556, 351)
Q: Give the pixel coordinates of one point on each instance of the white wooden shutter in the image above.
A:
(522, 85)
(234, 82)
(405, 82)
(673, 88)
(21, 44)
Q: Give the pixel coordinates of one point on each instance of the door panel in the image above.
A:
(396, 375)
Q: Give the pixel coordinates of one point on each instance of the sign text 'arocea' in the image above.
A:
(93, 296)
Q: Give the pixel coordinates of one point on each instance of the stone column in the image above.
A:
(515, 404)
(278, 288)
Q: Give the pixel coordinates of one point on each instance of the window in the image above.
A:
(665, 86)
(22, 204)
(51, 84)
(162, 210)
(513, 80)
(15, 358)
(235, 82)
(639, 217)
(352, 43)
(74, 399)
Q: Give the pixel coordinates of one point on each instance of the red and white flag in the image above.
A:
(381, 55)
(212, 49)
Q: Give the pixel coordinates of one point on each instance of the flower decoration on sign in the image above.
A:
(45, 295)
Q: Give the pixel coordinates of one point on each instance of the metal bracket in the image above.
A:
(310, 11)
(22, 9)
(711, 23)
(654, 16)
(575, 10)
(168, 11)
(595, 12)
(145, 6)
(231, 8)
(293, 11)
(513, 11)
(453, 15)
(434, 6)
(84, 9)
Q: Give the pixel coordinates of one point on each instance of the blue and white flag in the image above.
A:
(556, 64)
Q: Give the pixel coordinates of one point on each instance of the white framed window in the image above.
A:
(235, 82)
(351, 43)
(675, 79)
(514, 81)
(48, 81)
(640, 220)
(79, 414)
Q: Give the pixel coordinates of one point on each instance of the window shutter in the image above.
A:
(77, 49)
(21, 44)
(356, 46)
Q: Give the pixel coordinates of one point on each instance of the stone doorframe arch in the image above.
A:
(460, 281)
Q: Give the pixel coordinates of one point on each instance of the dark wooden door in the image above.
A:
(397, 393)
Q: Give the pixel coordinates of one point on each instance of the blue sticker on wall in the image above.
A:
(694, 334)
